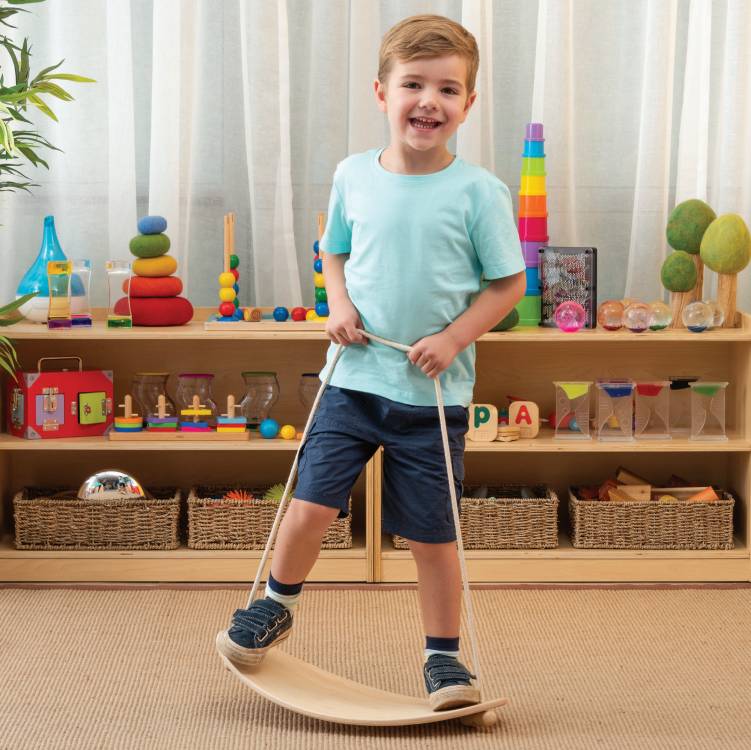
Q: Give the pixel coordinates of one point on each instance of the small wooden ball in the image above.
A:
(287, 432)
(235, 273)
(281, 314)
(321, 295)
(298, 313)
(269, 428)
(318, 265)
(318, 280)
(226, 280)
(227, 309)
(234, 261)
(311, 315)
(227, 294)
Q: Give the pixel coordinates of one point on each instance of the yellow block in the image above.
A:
(532, 185)
(164, 265)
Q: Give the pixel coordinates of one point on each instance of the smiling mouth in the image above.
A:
(424, 123)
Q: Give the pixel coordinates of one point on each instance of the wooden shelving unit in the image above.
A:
(523, 362)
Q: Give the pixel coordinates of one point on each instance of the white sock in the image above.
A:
(429, 652)
(290, 601)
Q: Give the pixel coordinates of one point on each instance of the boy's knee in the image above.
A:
(309, 513)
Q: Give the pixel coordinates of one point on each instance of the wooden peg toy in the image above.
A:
(161, 422)
(229, 422)
(196, 410)
(129, 422)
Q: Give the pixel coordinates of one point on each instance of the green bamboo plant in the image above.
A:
(19, 142)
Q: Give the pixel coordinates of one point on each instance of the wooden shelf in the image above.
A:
(9, 442)
(181, 564)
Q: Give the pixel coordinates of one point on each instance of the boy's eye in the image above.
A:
(411, 85)
(450, 91)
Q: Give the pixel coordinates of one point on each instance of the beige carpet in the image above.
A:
(584, 668)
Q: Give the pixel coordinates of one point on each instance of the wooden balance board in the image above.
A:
(305, 689)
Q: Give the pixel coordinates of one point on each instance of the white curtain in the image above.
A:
(207, 106)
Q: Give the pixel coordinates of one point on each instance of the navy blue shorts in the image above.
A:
(348, 428)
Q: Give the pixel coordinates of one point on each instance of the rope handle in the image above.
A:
(471, 627)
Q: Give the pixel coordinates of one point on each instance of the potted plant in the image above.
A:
(8, 359)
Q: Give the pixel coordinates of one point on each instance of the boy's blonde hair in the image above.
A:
(428, 36)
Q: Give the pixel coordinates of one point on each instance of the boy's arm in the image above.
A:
(433, 354)
(343, 317)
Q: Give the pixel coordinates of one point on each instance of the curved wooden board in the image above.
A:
(308, 690)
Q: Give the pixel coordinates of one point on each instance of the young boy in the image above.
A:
(411, 231)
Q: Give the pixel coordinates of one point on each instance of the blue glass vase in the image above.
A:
(35, 279)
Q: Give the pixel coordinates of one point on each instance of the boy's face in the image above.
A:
(425, 100)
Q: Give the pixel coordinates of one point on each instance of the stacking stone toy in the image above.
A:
(533, 220)
(154, 291)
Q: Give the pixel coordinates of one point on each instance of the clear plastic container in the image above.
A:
(615, 409)
(118, 311)
(708, 410)
(58, 279)
(652, 410)
(146, 389)
(308, 389)
(190, 384)
(261, 393)
(680, 404)
(572, 404)
(80, 303)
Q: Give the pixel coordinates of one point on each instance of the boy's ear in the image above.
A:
(470, 101)
(380, 93)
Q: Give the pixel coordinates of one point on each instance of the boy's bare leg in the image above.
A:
(298, 542)
(440, 586)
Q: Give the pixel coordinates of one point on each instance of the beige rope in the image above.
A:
(452, 490)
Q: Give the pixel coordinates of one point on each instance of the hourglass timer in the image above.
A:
(58, 278)
(118, 311)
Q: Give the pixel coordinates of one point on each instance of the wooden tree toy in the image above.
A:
(678, 276)
(229, 422)
(726, 249)
(130, 421)
(686, 226)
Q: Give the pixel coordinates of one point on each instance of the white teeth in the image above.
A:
(424, 123)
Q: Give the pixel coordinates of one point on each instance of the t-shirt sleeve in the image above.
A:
(337, 238)
(495, 236)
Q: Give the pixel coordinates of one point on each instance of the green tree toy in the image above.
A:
(678, 276)
(726, 249)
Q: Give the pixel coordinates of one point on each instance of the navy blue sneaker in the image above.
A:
(255, 630)
(449, 683)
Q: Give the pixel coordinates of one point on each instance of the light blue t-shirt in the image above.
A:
(418, 246)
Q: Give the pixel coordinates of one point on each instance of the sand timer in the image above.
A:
(118, 311)
(572, 409)
(58, 279)
(80, 303)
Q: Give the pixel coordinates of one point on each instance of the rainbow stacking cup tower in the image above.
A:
(533, 220)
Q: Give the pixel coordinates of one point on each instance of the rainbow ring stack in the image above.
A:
(533, 220)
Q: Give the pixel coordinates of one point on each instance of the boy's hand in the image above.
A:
(435, 353)
(341, 324)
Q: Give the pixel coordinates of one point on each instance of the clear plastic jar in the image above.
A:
(190, 384)
(310, 383)
(146, 389)
(261, 393)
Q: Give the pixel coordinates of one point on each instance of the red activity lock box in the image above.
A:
(60, 403)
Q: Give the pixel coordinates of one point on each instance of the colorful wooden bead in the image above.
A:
(234, 261)
(298, 313)
(322, 309)
(281, 314)
(227, 294)
(321, 295)
(315, 247)
(287, 432)
(226, 280)
(311, 315)
(318, 265)
(226, 309)
(318, 280)
(235, 273)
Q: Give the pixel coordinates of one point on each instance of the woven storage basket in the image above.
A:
(216, 523)
(48, 520)
(609, 524)
(507, 519)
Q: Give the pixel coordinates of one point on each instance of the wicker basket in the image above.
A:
(612, 524)
(217, 523)
(55, 519)
(512, 517)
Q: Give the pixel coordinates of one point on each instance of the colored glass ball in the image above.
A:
(318, 265)
(281, 314)
(662, 316)
(698, 316)
(298, 313)
(637, 316)
(321, 295)
(719, 313)
(234, 261)
(288, 432)
(226, 280)
(610, 315)
(269, 428)
(570, 316)
(322, 309)
(227, 309)
(227, 294)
